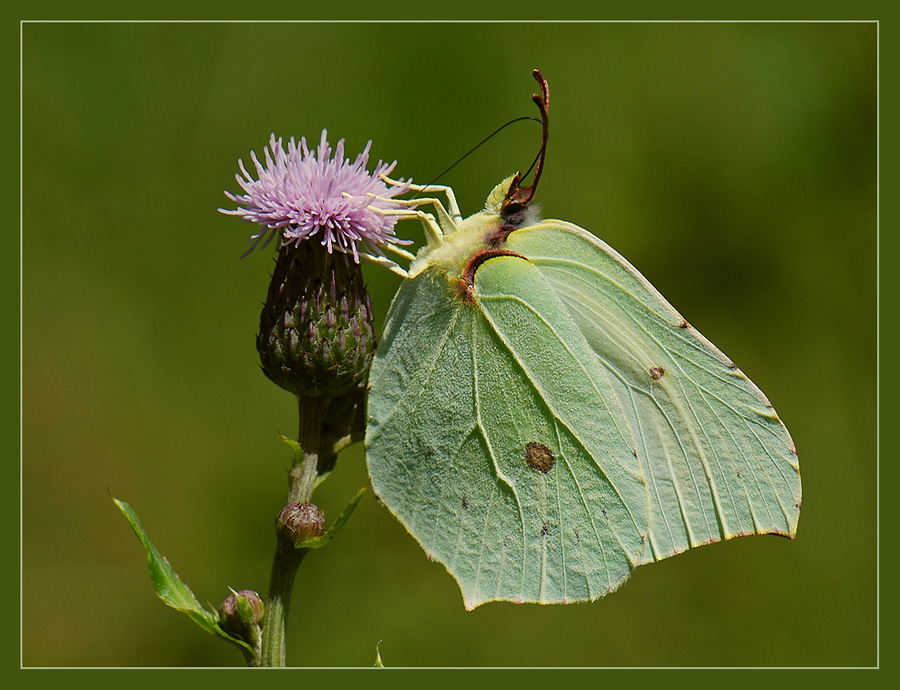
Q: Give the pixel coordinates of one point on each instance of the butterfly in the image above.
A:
(543, 421)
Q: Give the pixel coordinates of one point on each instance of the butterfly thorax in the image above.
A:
(452, 252)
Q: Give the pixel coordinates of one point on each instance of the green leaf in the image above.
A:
(169, 587)
(296, 448)
(335, 527)
(297, 452)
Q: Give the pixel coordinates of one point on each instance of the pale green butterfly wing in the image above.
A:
(717, 460)
(494, 437)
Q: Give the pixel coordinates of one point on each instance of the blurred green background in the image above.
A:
(733, 164)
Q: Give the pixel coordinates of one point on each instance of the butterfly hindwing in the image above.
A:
(502, 447)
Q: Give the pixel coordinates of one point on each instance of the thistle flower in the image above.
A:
(316, 337)
(303, 195)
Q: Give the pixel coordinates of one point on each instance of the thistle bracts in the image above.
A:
(316, 337)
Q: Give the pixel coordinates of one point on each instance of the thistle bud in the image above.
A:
(298, 522)
(316, 336)
(241, 614)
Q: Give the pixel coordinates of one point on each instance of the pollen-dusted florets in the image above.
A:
(302, 194)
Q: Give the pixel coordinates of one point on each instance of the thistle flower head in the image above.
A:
(311, 195)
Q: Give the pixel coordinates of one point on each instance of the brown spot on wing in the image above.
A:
(539, 457)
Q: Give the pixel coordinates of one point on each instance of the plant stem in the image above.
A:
(284, 569)
(302, 478)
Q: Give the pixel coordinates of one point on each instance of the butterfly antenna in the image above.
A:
(475, 148)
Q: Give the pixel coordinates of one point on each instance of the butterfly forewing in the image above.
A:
(717, 460)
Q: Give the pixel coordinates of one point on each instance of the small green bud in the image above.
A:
(316, 335)
(241, 614)
(298, 522)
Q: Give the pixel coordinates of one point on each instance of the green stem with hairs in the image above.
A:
(302, 480)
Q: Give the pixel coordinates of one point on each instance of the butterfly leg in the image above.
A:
(399, 251)
(433, 232)
(392, 266)
(432, 188)
(446, 223)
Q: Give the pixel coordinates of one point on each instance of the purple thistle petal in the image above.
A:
(300, 195)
